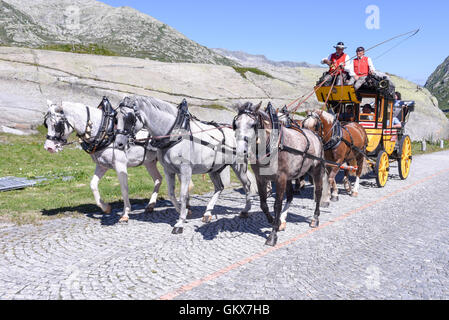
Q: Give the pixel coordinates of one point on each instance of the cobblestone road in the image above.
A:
(390, 243)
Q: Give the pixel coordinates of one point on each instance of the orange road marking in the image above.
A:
(197, 283)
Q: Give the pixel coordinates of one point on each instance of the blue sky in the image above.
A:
(308, 30)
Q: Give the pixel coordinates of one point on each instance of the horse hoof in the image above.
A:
(272, 240)
(325, 205)
(244, 215)
(283, 226)
(314, 224)
(108, 209)
(207, 219)
(123, 220)
(334, 198)
(355, 194)
(149, 209)
(177, 230)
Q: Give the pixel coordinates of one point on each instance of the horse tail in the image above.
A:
(366, 168)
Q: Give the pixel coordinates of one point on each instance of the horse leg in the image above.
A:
(219, 187)
(299, 184)
(157, 178)
(186, 176)
(284, 214)
(347, 182)
(332, 175)
(360, 164)
(191, 187)
(262, 188)
(171, 182)
(241, 173)
(325, 203)
(99, 173)
(318, 183)
(281, 184)
(122, 173)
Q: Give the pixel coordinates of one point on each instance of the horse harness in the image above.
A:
(282, 147)
(180, 130)
(277, 126)
(102, 140)
(337, 135)
(106, 133)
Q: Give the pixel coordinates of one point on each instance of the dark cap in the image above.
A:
(360, 49)
(340, 45)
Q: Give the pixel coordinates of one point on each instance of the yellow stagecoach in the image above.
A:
(375, 108)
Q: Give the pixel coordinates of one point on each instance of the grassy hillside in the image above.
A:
(438, 84)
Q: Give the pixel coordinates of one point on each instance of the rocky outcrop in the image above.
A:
(438, 84)
(124, 31)
(259, 60)
(29, 77)
(428, 121)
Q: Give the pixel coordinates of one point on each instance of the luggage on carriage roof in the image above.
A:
(380, 84)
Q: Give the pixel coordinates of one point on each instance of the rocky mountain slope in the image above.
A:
(124, 31)
(174, 67)
(29, 77)
(253, 60)
(438, 84)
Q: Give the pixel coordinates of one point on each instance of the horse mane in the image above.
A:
(158, 104)
(264, 115)
(328, 117)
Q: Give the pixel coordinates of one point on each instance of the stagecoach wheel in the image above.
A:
(382, 168)
(404, 163)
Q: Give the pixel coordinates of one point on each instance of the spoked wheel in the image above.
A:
(405, 162)
(382, 169)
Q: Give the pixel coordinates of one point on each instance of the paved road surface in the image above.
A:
(390, 243)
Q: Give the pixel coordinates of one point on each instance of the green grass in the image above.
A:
(431, 147)
(24, 156)
(243, 71)
(301, 114)
(78, 48)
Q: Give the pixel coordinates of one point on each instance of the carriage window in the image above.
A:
(347, 113)
(368, 109)
(388, 112)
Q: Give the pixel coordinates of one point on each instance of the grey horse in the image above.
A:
(207, 148)
(288, 154)
(69, 117)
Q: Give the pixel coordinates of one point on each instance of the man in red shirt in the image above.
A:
(338, 63)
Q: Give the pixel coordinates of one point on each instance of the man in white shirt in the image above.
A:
(360, 68)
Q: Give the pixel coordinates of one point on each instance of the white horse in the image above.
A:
(69, 117)
(208, 148)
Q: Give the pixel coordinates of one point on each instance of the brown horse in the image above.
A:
(288, 155)
(342, 143)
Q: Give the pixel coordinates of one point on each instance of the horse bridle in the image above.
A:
(129, 121)
(257, 121)
(319, 127)
(59, 126)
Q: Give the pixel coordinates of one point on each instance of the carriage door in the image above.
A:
(368, 111)
(389, 137)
